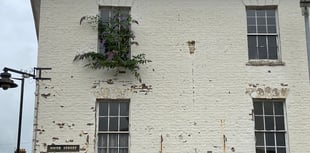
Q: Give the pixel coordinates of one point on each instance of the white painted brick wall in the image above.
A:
(190, 93)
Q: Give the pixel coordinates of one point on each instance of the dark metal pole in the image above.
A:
(20, 115)
(13, 85)
(306, 15)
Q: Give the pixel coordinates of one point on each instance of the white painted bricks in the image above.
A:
(188, 94)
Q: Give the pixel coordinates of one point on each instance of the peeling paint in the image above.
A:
(110, 81)
(90, 124)
(262, 91)
(142, 88)
(45, 95)
(61, 125)
(108, 92)
(69, 140)
(232, 149)
(84, 132)
(87, 139)
(121, 90)
(191, 46)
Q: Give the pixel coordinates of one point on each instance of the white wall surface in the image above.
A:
(189, 94)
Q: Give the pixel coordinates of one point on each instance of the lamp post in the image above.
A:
(6, 83)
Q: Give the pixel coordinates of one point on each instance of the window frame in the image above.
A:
(274, 132)
(108, 132)
(111, 10)
(264, 61)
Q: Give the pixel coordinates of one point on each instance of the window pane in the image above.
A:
(113, 124)
(278, 108)
(123, 15)
(271, 150)
(250, 12)
(105, 14)
(113, 12)
(124, 122)
(272, 41)
(272, 47)
(260, 12)
(262, 47)
(280, 123)
(273, 53)
(103, 109)
(123, 140)
(261, 21)
(271, 21)
(102, 140)
(262, 52)
(125, 11)
(123, 150)
(281, 150)
(261, 41)
(251, 29)
(103, 124)
(260, 150)
(253, 53)
(269, 123)
(252, 47)
(261, 29)
(259, 139)
(280, 139)
(271, 13)
(113, 140)
(124, 109)
(270, 139)
(101, 150)
(272, 29)
(268, 108)
(259, 123)
(114, 109)
(252, 41)
(113, 150)
(258, 108)
(251, 21)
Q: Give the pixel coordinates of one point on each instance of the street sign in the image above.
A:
(63, 148)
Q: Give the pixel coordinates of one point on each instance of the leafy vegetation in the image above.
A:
(115, 40)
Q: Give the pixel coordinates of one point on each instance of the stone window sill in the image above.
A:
(265, 62)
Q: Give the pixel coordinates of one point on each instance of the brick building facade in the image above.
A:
(226, 76)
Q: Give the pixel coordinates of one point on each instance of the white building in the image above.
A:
(226, 76)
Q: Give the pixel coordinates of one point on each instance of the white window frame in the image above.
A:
(274, 131)
(108, 132)
(264, 61)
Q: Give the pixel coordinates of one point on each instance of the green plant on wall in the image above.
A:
(115, 40)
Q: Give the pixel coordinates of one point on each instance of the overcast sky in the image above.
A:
(18, 50)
